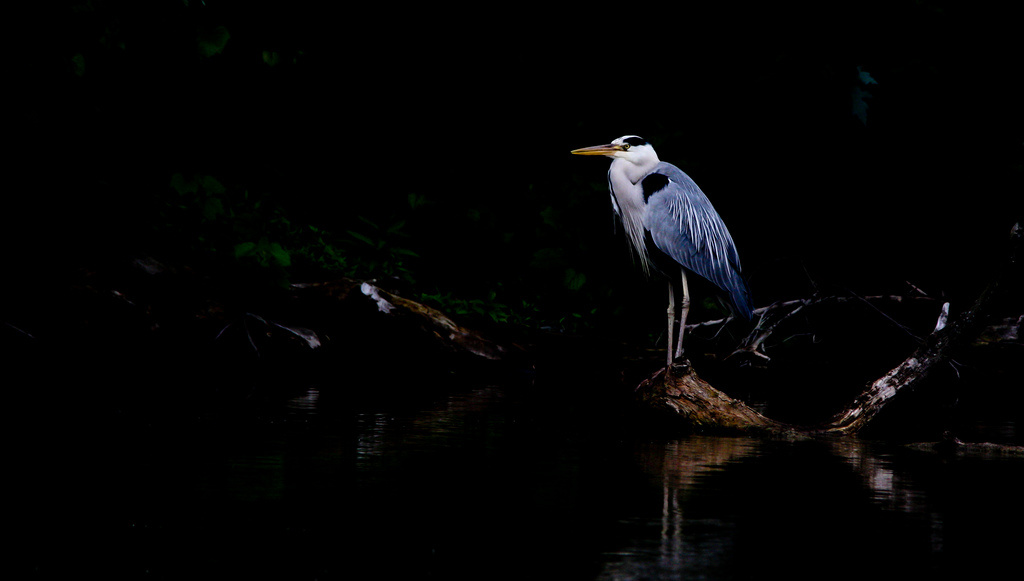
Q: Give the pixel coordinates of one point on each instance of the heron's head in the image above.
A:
(628, 147)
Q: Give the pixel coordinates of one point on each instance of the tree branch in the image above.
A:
(937, 349)
(682, 393)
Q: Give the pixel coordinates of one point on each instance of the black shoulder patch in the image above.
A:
(653, 184)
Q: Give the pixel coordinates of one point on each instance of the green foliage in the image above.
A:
(381, 250)
(250, 231)
(860, 95)
(513, 252)
(212, 42)
(525, 313)
(265, 253)
(227, 225)
(574, 280)
(250, 235)
(78, 63)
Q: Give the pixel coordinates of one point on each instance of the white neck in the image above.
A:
(624, 177)
(636, 165)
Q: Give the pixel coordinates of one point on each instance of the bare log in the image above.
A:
(955, 447)
(937, 349)
(679, 391)
(701, 406)
(433, 322)
(440, 325)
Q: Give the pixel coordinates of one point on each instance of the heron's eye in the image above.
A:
(625, 146)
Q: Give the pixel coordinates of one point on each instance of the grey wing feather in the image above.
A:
(684, 225)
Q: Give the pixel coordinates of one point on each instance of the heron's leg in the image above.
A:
(671, 320)
(684, 309)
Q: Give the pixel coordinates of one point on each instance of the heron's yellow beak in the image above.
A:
(597, 150)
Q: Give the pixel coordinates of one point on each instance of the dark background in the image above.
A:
(330, 118)
(245, 145)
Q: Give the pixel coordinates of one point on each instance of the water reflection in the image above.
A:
(685, 545)
(493, 483)
(679, 463)
(456, 420)
(878, 475)
(495, 479)
(740, 507)
(306, 403)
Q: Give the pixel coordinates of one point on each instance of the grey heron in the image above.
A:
(671, 226)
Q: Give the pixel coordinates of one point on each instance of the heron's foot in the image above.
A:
(680, 366)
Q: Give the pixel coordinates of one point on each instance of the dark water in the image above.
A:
(494, 482)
